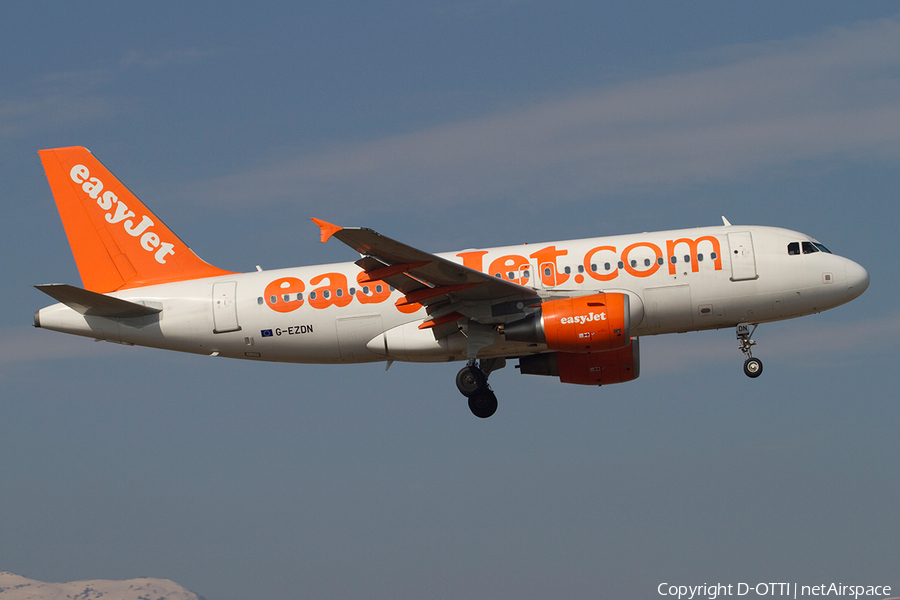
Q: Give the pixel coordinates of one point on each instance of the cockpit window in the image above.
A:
(808, 248)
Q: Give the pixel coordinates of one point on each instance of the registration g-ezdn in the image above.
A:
(572, 309)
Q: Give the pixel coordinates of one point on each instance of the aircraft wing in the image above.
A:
(441, 285)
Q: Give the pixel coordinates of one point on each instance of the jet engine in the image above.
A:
(584, 324)
(599, 368)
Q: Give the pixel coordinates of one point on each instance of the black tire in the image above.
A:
(753, 367)
(483, 405)
(471, 381)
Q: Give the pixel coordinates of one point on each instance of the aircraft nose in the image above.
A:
(857, 279)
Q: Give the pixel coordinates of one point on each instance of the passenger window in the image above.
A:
(808, 248)
(713, 255)
(687, 258)
(260, 300)
(673, 260)
(646, 262)
(794, 248)
(699, 258)
(568, 270)
(660, 261)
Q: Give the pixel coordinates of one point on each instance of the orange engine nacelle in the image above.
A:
(595, 323)
(600, 368)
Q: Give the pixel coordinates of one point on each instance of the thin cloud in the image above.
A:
(826, 97)
(138, 58)
(22, 117)
(53, 100)
(30, 345)
(63, 98)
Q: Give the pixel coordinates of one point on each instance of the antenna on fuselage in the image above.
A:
(725, 221)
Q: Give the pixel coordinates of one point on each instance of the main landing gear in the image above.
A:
(472, 383)
(753, 367)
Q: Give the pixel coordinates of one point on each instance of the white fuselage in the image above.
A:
(677, 281)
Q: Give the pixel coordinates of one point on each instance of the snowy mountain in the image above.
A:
(14, 587)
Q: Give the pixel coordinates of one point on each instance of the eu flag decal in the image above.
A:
(266, 332)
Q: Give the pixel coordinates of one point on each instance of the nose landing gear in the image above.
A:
(472, 383)
(753, 367)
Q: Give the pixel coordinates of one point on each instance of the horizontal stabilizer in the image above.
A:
(93, 304)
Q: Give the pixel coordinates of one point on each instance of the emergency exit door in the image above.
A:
(225, 307)
(743, 261)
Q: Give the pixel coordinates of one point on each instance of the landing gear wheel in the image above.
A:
(483, 404)
(753, 367)
(471, 381)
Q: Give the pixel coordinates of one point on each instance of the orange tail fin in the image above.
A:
(117, 243)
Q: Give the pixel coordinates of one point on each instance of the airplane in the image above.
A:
(572, 309)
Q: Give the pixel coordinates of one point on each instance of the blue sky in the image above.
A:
(454, 125)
